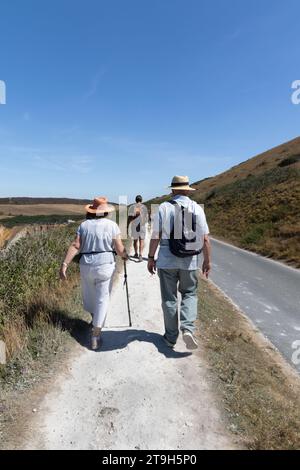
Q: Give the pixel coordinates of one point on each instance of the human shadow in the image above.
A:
(112, 340)
(135, 260)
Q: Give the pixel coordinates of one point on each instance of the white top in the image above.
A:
(97, 235)
(163, 223)
(141, 220)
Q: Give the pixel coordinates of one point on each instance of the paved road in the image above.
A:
(267, 291)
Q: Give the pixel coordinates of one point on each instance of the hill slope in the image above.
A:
(41, 200)
(256, 204)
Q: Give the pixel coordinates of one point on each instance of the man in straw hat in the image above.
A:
(181, 230)
(96, 241)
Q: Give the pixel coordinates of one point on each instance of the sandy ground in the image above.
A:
(135, 393)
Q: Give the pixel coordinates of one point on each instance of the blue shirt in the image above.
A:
(162, 225)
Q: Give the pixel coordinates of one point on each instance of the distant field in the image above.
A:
(40, 209)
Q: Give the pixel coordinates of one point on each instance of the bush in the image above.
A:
(28, 270)
(289, 161)
(254, 235)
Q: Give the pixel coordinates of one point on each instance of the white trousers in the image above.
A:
(96, 284)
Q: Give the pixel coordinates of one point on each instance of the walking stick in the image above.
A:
(127, 293)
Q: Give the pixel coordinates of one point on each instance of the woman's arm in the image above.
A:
(73, 250)
(120, 248)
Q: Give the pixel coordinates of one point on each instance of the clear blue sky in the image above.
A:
(114, 97)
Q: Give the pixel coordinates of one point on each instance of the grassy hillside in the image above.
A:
(256, 204)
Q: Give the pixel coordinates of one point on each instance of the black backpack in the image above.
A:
(178, 247)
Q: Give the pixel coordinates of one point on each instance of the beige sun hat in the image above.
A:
(181, 182)
(100, 206)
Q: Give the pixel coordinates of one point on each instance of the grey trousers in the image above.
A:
(186, 282)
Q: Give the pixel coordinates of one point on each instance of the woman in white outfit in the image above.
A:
(97, 240)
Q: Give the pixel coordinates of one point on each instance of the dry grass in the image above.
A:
(255, 166)
(40, 209)
(37, 346)
(261, 214)
(5, 234)
(260, 393)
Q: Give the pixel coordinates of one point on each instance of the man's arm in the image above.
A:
(152, 250)
(206, 266)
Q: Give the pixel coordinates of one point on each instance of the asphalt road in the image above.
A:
(267, 291)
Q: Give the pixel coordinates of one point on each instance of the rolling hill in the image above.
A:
(41, 200)
(256, 204)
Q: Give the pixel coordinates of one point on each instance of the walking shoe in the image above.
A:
(136, 255)
(189, 339)
(168, 343)
(140, 258)
(95, 343)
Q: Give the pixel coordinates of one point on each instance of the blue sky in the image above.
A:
(115, 97)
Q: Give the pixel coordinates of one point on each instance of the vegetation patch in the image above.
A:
(260, 394)
(50, 219)
(260, 213)
(289, 161)
(38, 313)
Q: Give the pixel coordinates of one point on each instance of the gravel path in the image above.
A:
(134, 393)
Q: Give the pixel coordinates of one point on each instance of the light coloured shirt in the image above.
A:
(163, 223)
(97, 235)
(141, 220)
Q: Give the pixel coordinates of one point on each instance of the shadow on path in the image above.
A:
(113, 340)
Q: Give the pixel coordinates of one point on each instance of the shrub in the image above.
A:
(289, 161)
(28, 269)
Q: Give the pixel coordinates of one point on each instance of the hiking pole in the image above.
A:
(127, 293)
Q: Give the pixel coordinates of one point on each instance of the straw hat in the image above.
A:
(181, 182)
(100, 206)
